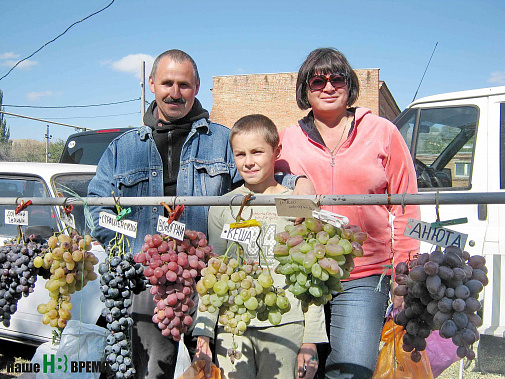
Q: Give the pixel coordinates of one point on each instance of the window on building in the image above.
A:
(462, 169)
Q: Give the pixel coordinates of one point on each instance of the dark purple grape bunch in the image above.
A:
(17, 274)
(441, 291)
(120, 277)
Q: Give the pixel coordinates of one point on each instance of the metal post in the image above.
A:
(142, 92)
(47, 141)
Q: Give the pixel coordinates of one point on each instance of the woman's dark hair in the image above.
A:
(325, 61)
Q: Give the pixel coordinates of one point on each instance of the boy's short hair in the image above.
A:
(257, 123)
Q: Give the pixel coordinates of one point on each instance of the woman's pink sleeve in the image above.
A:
(402, 179)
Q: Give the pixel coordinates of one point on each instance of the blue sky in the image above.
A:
(97, 61)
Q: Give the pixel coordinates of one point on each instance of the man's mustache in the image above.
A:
(171, 100)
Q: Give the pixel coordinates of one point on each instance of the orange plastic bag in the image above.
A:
(195, 371)
(394, 363)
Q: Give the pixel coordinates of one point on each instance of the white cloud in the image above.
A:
(34, 96)
(9, 55)
(131, 64)
(24, 64)
(497, 77)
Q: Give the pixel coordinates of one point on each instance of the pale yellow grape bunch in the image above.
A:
(240, 294)
(71, 266)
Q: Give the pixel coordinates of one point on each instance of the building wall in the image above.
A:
(274, 96)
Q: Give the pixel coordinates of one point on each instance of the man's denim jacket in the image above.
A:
(131, 167)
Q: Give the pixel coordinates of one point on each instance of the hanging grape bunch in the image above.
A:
(314, 256)
(441, 291)
(120, 277)
(71, 266)
(240, 290)
(240, 293)
(171, 267)
(18, 274)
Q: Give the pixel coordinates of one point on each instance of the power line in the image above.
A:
(109, 115)
(54, 39)
(46, 121)
(70, 106)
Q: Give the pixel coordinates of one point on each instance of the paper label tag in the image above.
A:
(242, 235)
(16, 219)
(423, 231)
(67, 219)
(175, 229)
(292, 207)
(126, 227)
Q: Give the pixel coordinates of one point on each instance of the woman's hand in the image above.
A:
(204, 353)
(308, 361)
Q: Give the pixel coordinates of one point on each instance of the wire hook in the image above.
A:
(245, 199)
(437, 205)
(403, 202)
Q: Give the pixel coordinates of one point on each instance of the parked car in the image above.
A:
(457, 141)
(47, 180)
(88, 147)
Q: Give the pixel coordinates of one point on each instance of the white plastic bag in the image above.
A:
(183, 359)
(81, 345)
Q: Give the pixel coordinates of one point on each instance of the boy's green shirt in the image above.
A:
(271, 224)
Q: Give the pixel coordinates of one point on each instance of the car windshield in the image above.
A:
(74, 185)
(442, 142)
(18, 186)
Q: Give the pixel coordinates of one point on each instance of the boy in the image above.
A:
(288, 349)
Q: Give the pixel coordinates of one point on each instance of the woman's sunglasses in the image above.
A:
(318, 82)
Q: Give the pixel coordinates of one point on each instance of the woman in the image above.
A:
(345, 150)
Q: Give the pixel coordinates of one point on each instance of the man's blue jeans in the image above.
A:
(356, 321)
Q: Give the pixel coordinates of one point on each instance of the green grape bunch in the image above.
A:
(240, 293)
(314, 256)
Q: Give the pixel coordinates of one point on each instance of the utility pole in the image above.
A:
(47, 141)
(142, 91)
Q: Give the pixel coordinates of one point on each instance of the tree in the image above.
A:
(5, 143)
(4, 129)
(55, 150)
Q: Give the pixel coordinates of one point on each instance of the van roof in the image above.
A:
(460, 95)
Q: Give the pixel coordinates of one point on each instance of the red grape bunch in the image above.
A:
(314, 256)
(441, 291)
(171, 267)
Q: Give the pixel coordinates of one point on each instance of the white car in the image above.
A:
(29, 179)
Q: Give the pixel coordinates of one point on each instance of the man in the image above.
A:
(178, 152)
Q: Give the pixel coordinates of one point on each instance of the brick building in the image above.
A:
(274, 96)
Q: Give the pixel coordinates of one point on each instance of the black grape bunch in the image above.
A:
(120, 278)
(18, 273)
(441, 291)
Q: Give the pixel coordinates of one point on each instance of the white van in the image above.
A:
(457, 141)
